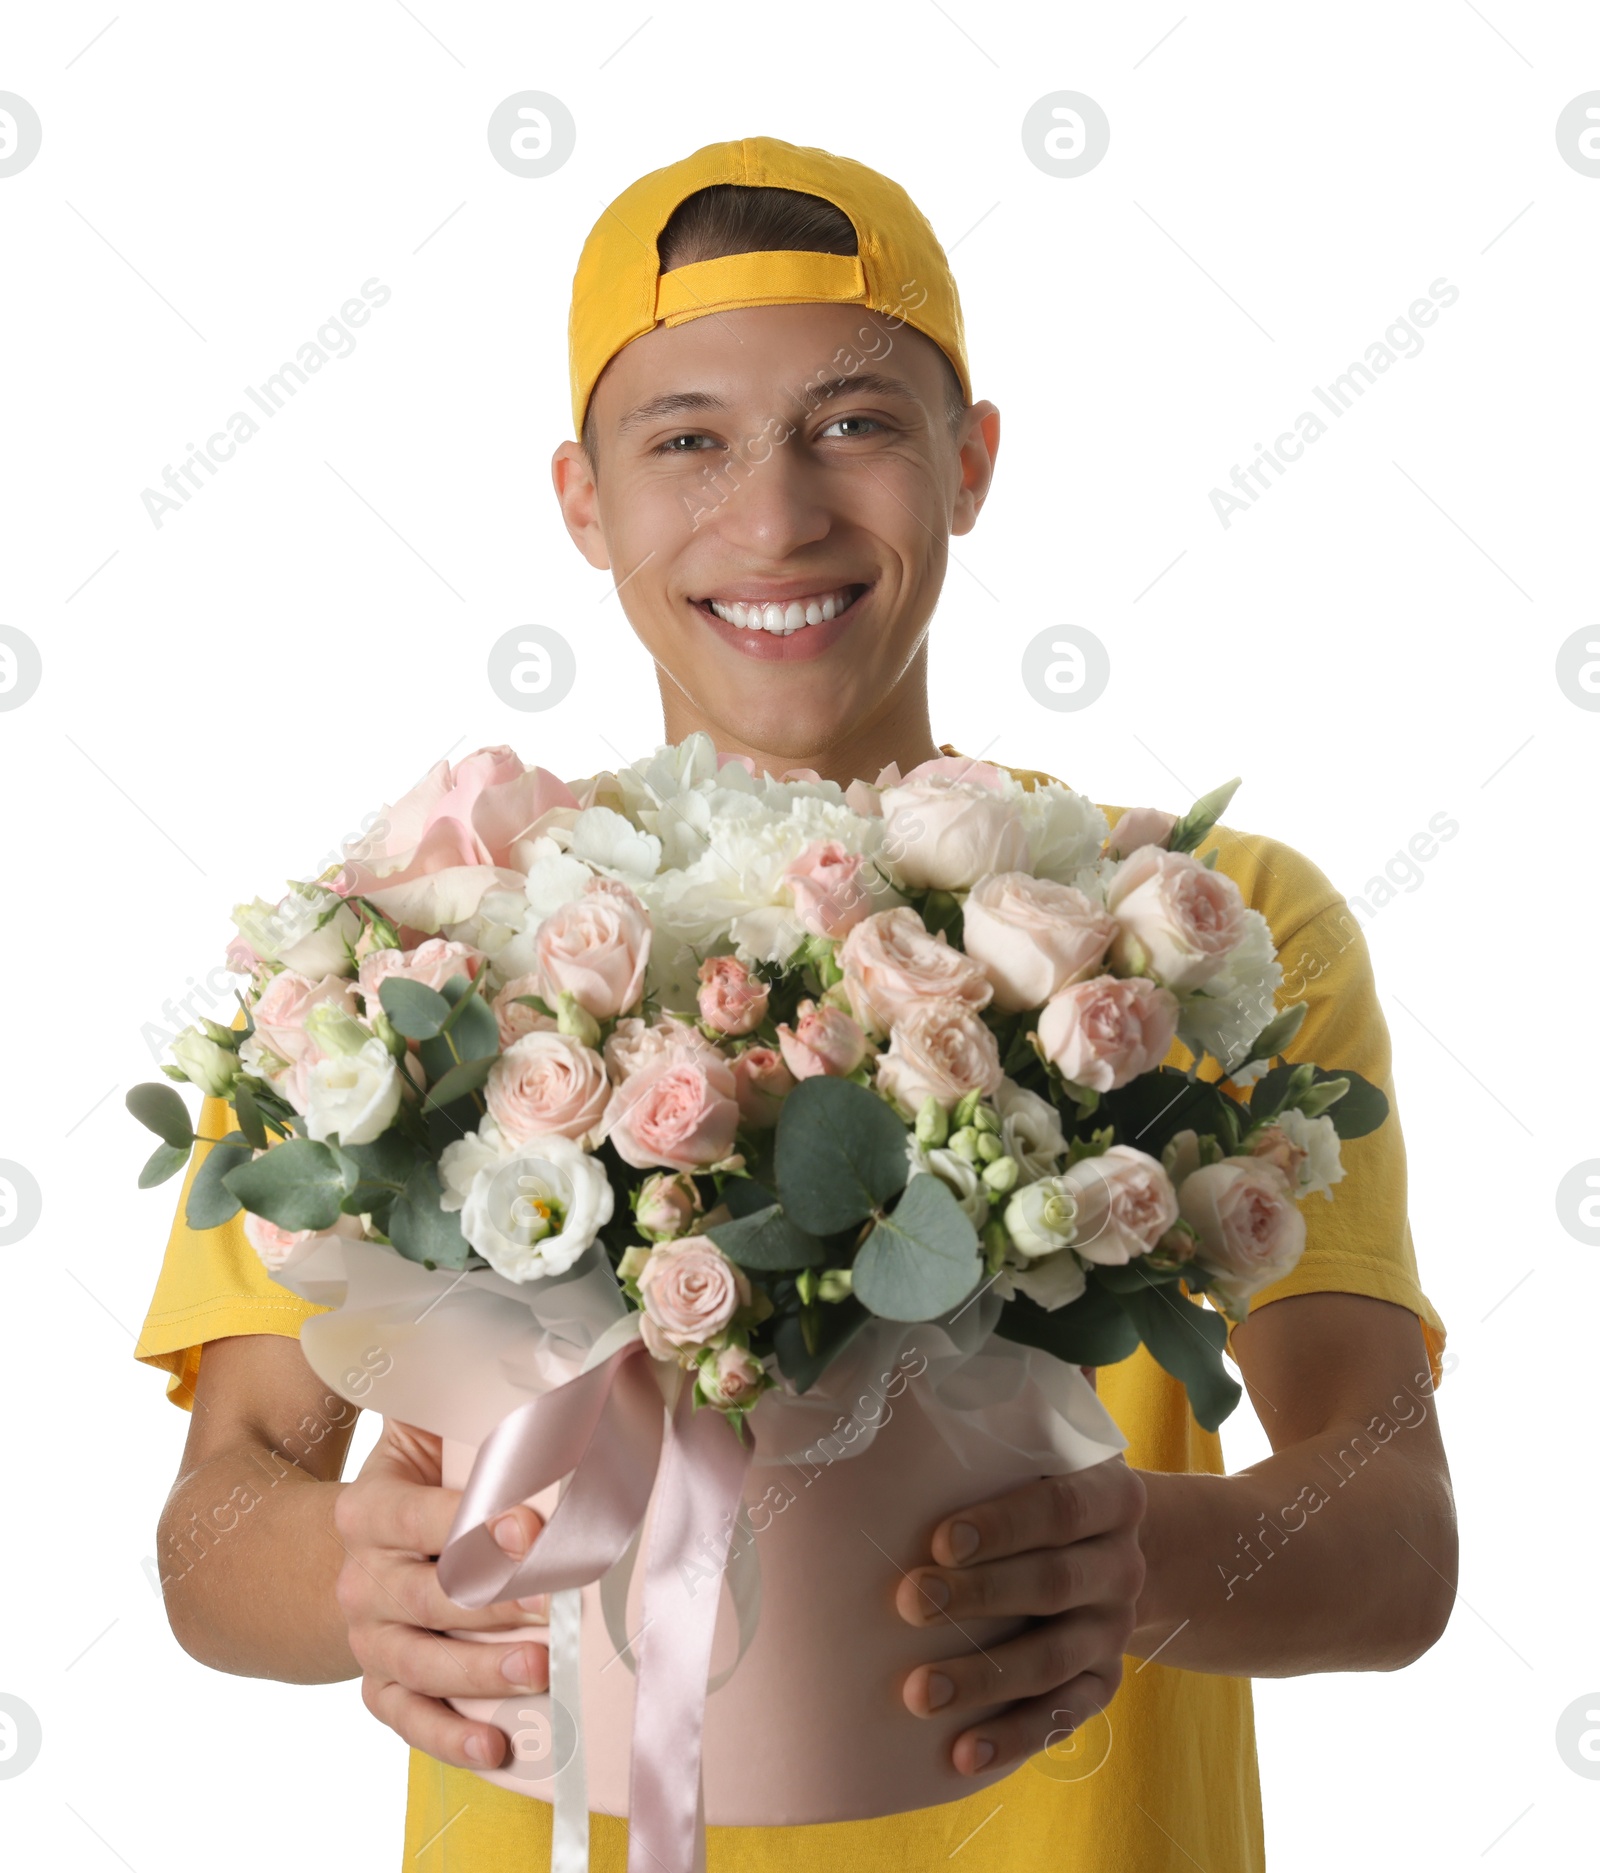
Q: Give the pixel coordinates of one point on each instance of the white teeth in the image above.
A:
(781, 619)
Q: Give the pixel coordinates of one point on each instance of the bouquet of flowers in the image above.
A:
(791, 1056)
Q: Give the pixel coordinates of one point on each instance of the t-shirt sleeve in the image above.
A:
(1358, 1237)
(211, 1285)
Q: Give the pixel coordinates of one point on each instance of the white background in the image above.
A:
(1373, 643)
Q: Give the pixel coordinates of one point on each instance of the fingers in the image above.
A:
(1097, 1569)
(380, 1510)
(1042, 1659)
(435, 1666)
(1050, 1512)
(1023, 1730)
(433, 1727)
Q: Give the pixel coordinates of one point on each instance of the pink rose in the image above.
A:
(280, 1014)
(762, 1081)
(1140, 825)
(680, 1111)
(667, 1203)
(1126, 1203)
(1274, 1146)
(940, 1048)
(1107, 1031)
(434, 853)
(1250, 1228)
(825, 1040)
(944, 834)
(731, 1376)
(596, 947)
(1033, 936)
(432, 964)
(280, 1249)
(634, 1043)
(1176, 920)
(891, 962)
(547, 1083)
(825, 879)
(691, 1292)
(731, 1000)
(516, 1017)
(961, 767)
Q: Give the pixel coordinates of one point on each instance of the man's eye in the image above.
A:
(865, 423)
(690, 438)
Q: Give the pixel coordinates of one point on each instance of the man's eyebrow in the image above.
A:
(811, 394)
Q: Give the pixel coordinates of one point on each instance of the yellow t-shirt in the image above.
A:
(1162, 1781)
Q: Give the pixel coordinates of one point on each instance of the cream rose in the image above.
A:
(731, 1000)
(731, 1377)
(830, 894)
(281, 1249)
(516, 1017)
(944, 834)
(596, 946)
(680, 1111)
(1177, 920)
(938, 1050)
(1033, 936)
(762, 1081)
(1125, 1201)
(691, 1292)
(891, 962)
(548, 1083)
(1107, 1031)
(823, 1040)
(1250, 1228)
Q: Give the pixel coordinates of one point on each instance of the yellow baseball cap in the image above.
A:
(619, 291)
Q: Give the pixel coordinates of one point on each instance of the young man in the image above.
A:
(778, 440)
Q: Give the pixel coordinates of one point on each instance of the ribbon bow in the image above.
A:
(608, 1433)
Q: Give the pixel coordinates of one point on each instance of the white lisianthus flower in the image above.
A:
(1053, 1280)
(1320, 1142)
(535, 1211)
(355, 1095)
(204, 1064)
(461, 1161)
(1030, 1130)
(956, 1174)
(1041, 1218)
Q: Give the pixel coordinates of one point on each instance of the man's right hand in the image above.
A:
(393, 1519)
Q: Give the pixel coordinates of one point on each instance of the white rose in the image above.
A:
(956, 1174)
(355, 1095)
(1041, 1218)
(1320, 1142)
(1030, 1130)
(535, 1211)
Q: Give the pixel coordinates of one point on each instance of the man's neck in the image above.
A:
(860, 751)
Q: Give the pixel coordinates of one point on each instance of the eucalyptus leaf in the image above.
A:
(420, 1229)
(745, 1195)
(164, 1162)
(248, 1113)
(840, 1152)
(768, 1239)
(417, 1011)
(297, 1185)
(211, 1202)
(458, 1082)
(923, 1259)
(160, 1110)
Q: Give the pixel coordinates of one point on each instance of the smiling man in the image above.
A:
(778, 441)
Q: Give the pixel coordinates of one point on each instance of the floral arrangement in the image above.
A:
(790, 1055)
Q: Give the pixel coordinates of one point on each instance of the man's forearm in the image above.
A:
(1335, 1554)
(249, 1557)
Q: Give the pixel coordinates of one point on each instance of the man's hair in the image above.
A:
(731, 218)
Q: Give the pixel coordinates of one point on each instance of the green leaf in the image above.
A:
(420, 1229)
(1362, 1109)
(837, 1325)
(248, 1114)
(458, 1082)
(417, 1011)
(382, 1170)
(922, 1260)
(767, 1239)
(745, 1195)
(1152, 1109)
(164, 1162)
(211, 1202)
(1133, 1277)
(1093, 1330)
(840, 1152)
(160, 1110)
(1187, 1339)
(1201, 817)
(297, 1185)
(471, 1032)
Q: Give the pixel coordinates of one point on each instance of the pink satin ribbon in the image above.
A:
(604, 1429)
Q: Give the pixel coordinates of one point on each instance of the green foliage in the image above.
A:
(921, 1260)
(420, 1229)
(767, 1239)
(160, 1110)
(297, 1185)
(840, 1152)
(417, 1011)
(1093, 1330)
(164, 1162)
(1362, 1109)
(803, 1360)
(211, 1202)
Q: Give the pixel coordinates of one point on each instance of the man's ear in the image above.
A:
(978, 445)
(573, 477)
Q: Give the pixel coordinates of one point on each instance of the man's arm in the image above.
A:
(1362, 1581)
(1336, 1553)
